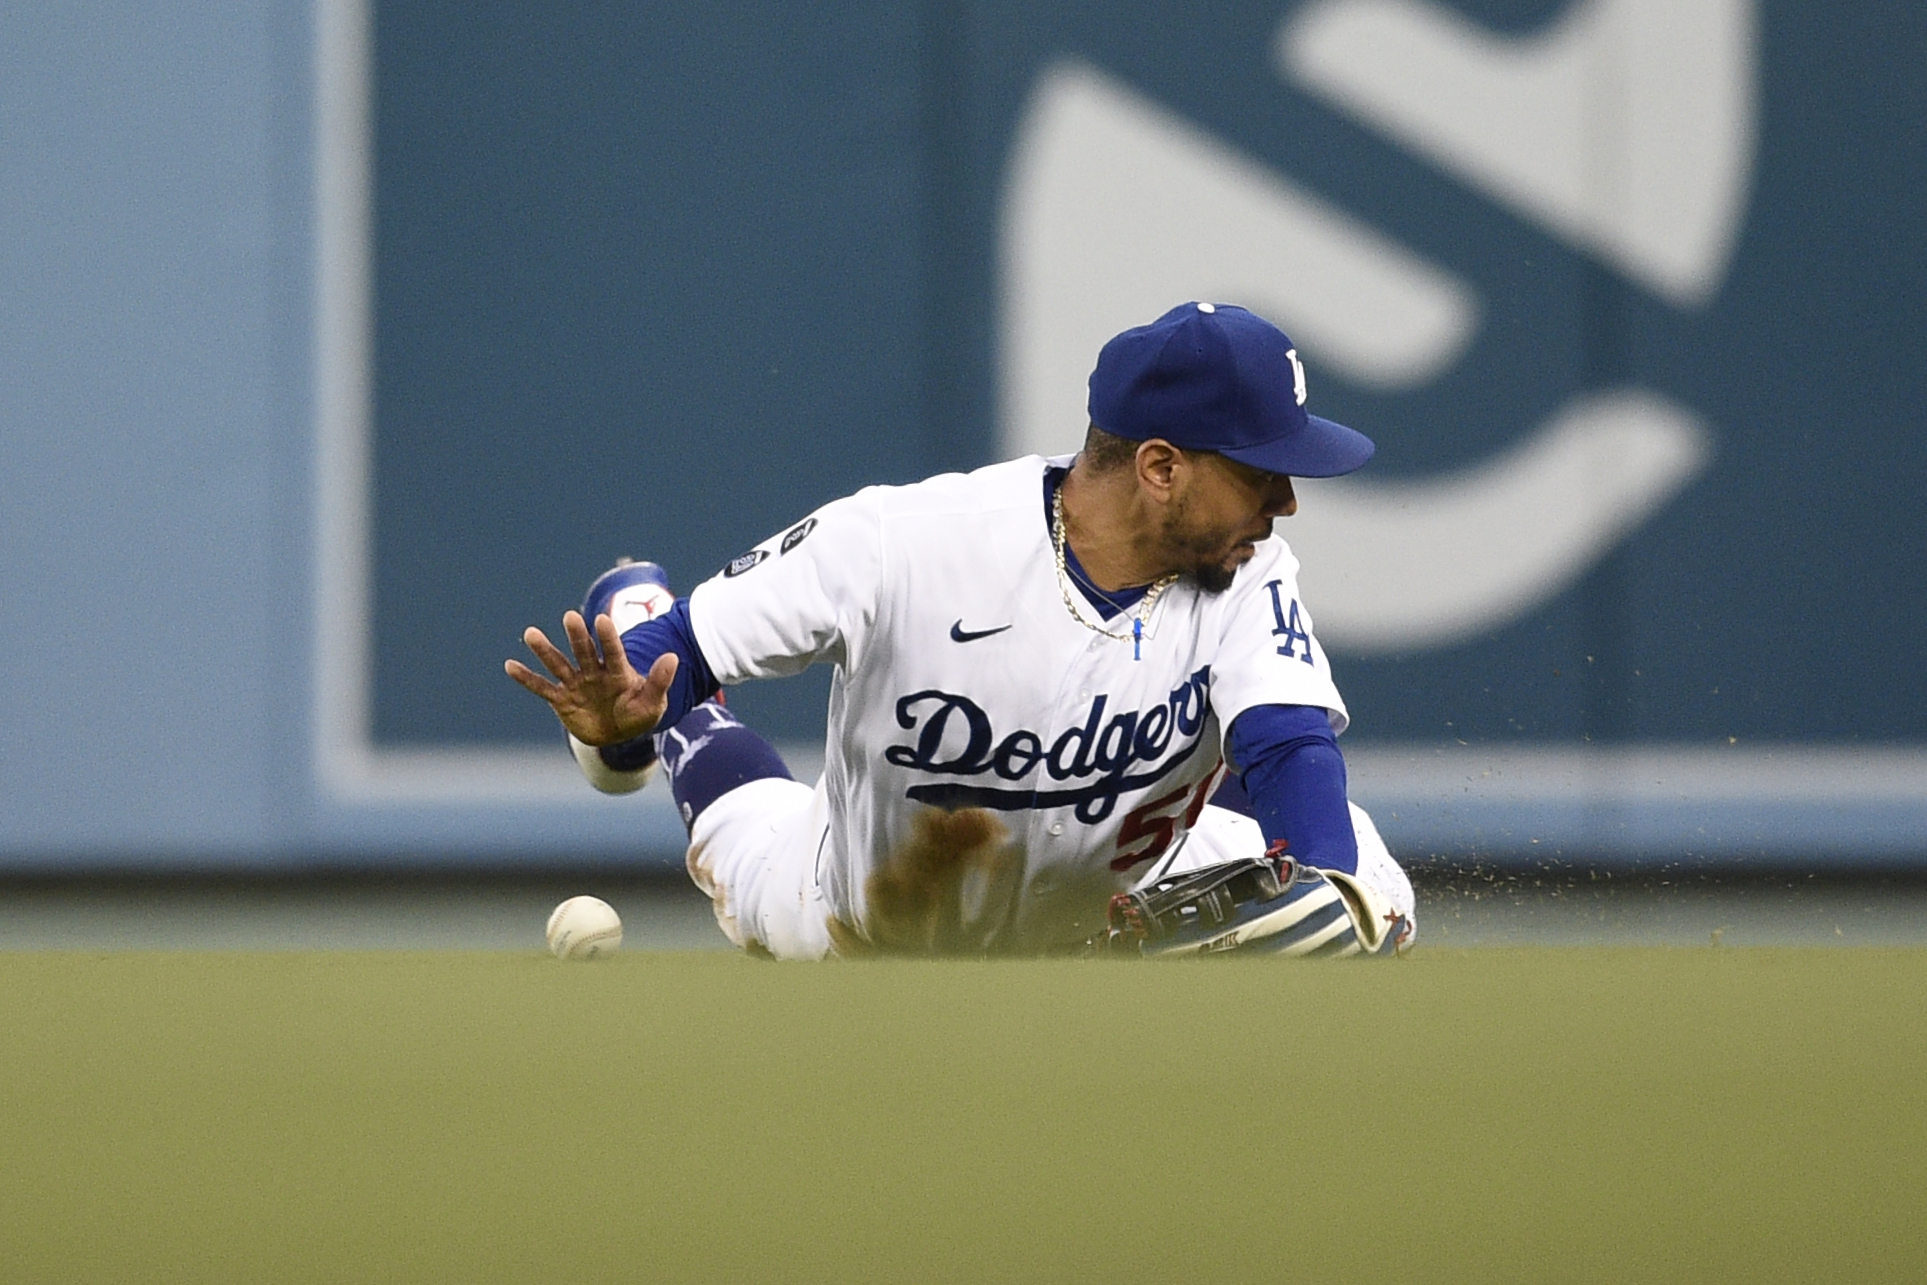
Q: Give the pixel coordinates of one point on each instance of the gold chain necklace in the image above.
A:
(1059, 542)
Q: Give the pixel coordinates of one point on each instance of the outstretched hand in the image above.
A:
(601, 699)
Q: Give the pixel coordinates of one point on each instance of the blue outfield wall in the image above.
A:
(341, 340)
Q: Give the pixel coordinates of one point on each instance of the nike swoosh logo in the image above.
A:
(959, 634)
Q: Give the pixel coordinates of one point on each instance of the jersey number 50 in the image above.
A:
(1151, 821)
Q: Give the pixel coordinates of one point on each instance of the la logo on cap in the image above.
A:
(1297, 375)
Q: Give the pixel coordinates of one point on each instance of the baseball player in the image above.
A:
(1077, 702)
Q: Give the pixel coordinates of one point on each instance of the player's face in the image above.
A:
(1219, 513)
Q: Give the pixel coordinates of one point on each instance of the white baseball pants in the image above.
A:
(755, 852)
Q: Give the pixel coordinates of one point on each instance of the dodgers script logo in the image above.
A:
(1100, 747)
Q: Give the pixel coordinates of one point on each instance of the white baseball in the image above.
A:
(584, 928)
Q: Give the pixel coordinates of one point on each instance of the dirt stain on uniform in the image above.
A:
(949, 890)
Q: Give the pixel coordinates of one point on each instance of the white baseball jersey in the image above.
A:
(963, 680)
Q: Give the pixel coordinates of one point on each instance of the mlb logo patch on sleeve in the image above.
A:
(744, 563)
(797, 534)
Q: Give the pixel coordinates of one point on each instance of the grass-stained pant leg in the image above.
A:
(754, 852)
(1223, 835)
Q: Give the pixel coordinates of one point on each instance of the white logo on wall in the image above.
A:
(1626, 128)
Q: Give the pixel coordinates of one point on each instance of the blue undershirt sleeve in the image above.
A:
(1290, 766)
(671, 631)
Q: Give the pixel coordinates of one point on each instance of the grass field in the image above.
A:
(1531, 1114)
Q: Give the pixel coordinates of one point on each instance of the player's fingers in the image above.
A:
(614, 656)
(548, 653)
(579, 641)
(662, 673)
(541, 686)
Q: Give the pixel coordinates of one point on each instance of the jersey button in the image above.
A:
(1057, 828)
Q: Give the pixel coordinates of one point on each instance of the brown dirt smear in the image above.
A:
(948, 890)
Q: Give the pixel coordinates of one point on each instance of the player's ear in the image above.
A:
(1159, 465)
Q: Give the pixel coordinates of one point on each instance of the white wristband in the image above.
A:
(604, 777)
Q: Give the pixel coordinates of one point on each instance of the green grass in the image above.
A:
(1610, 1115)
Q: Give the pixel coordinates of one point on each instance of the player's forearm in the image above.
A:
(1292, 769)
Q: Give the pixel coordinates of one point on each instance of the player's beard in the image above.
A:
(1202, 556)
(1214, 577)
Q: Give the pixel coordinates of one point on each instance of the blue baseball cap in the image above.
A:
(1215, 377)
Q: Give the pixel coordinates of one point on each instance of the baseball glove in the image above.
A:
(1266, 905)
